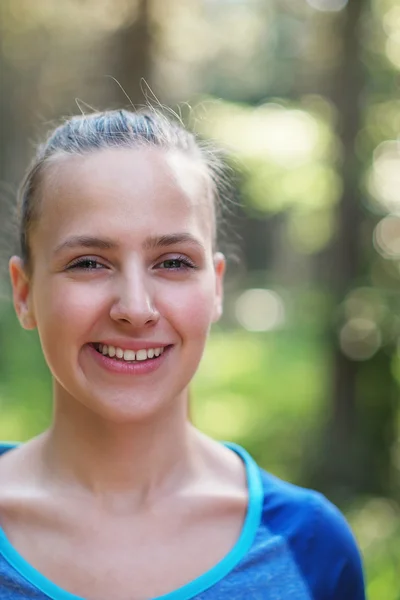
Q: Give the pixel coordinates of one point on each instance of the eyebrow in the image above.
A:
(172, 239)
(150, 243)
(86, 241)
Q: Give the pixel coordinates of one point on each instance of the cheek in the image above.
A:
(66, 308)
(66, 312)
(190, 308)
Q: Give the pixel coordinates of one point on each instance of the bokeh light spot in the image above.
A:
(387, 237)
(260, 310)
(328, 5)
(384, 180)
(360, 338)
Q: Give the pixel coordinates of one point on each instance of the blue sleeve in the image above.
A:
(320, 540)
(333, 563)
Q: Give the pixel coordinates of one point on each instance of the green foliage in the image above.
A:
(376, 524)
(255, 388)
(25, 385)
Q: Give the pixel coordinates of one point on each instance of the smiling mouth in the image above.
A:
(129, 356)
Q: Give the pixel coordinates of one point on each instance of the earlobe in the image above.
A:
(21, 293)
(219, 267)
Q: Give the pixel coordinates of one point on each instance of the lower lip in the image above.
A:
(142, 367)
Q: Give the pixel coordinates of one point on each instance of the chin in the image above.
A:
(125, 410)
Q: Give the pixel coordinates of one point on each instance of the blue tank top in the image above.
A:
(294, 545)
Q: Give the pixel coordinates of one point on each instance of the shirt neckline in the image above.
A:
(187, 591)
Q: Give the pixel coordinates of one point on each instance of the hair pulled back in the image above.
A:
(83, 134)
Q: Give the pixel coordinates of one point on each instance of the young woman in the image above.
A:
(122, 498)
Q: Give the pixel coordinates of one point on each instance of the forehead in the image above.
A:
(125, 192)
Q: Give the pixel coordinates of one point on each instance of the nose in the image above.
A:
(134, 302)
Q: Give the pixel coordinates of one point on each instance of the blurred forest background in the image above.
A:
(304, 369)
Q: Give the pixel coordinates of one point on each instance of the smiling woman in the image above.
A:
(122, 497)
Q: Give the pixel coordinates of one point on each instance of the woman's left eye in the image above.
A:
(176, 264)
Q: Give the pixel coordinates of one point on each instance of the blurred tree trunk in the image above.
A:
(360, 429)
(345, 253)
(131, 50)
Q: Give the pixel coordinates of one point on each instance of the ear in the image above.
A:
(21, 293)
(219, 268)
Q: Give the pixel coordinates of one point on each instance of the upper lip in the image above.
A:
(133, 345)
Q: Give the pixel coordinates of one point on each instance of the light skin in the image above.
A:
(123, 250)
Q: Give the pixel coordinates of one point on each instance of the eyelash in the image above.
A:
(186, 262)
(80, 262)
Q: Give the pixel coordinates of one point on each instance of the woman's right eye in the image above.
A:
(85, 264)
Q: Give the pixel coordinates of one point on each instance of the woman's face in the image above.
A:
(122, 262)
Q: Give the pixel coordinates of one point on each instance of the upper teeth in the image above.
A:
(129, 354)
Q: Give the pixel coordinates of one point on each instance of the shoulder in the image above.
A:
(14, 478)
(13, 461)
(19, 476)
(318, 536)
(7, 462)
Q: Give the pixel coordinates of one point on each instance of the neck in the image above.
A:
(104, 458)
